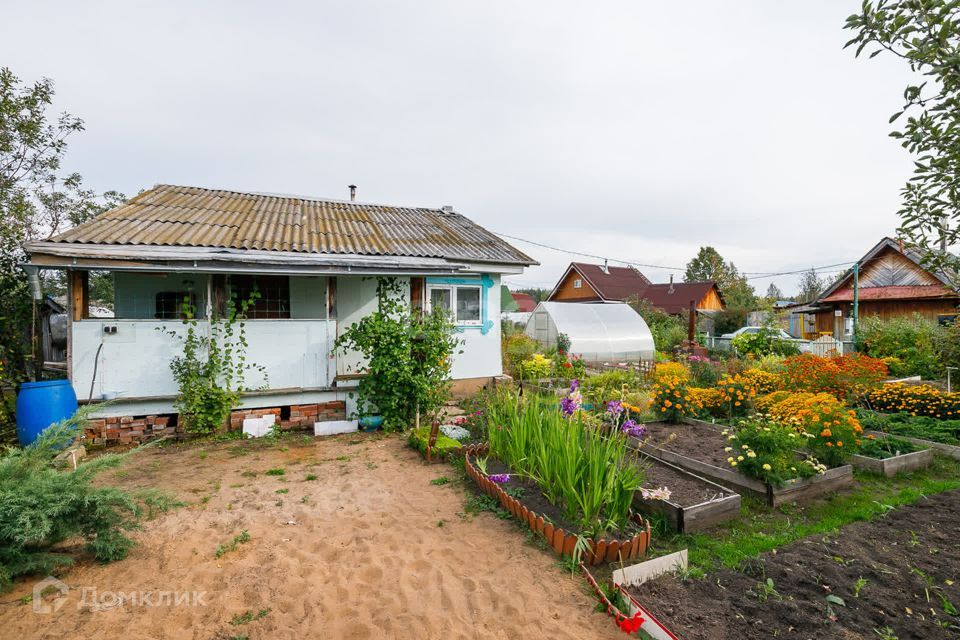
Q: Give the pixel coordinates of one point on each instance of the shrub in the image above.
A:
(764, 342)
(911, 342)
(831, 430)
(669, 371)
(418, 439)
(770, 363)
(917, 400)
(536, 367)
(704, 372)
(762, 381)
(707, 401)
(738, 393)
(609, 385)
(517, 347)
(847, 377)
(43, 507)
(670, 400)
(766, 450)
(587, 473)
(408, 356)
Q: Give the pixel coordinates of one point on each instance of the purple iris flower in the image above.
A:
(631, 428)
(500, 478)
(615, 407)
(574, 385)
(568, 406)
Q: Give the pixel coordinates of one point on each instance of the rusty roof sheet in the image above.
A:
(194, 217)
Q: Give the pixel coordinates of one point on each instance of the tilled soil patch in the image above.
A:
(907, 566)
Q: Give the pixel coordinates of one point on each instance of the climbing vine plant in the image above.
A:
(210, 372)
(407, 354)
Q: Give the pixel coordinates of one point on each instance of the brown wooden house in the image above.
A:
(892, 283)
(584, 282)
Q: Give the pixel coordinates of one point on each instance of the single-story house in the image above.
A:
(892, 282)
(584, 282)
(315, 263)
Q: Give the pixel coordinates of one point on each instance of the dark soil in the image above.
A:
(910, 560)
(529, 494)
(696, 441)
(685, 490)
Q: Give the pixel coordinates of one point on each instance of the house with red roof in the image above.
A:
(584, 282)
(892, 282)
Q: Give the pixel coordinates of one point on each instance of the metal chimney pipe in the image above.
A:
(353, 192)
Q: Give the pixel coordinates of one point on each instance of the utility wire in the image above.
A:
(749, 275)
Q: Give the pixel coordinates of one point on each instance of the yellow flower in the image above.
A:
(767, 467)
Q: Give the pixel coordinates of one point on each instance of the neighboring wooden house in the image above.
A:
(315, 264)
(583, 282)
(892, 283)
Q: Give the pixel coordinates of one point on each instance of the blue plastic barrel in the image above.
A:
(41, 404)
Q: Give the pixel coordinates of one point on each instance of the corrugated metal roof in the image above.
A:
(905, 292)
(194, 217)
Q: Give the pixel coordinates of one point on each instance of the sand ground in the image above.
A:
(370, 548)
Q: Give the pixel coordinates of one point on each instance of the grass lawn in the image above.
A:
(761, 528)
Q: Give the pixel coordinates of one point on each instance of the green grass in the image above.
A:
(276, 472)
(241, 538)
(761, 529)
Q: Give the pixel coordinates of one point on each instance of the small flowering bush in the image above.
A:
(669, 371)
(536, 367)
(707, 402)
(567, 366)
(738, 393)
(704, 372)
(765, 449)
(763, 381)
(670, 400)
(919, 400)
(846, 377)
(831, 430)
(609, 385)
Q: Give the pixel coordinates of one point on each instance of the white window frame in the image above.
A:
(452, 288)
(578, 283)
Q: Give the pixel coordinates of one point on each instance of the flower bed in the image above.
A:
(917, 400)
(890, 455)
(563, 542)
(940, 435)
(694, 504)
(698, 447)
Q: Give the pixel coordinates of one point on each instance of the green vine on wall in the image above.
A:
(211, 371)
(408, 357)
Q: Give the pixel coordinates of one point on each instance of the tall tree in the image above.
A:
(774, 293)
(708, 264)
(811, 286)
(925, 34)
(36, 199)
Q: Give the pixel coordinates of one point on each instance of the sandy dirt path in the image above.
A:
(368, 549)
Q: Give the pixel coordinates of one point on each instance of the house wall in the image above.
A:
(710, 302)
(827, 321)
(567, 292)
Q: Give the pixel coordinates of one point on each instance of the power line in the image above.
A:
(590, 255)
(753, 275)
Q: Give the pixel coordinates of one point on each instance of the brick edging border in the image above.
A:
(560, 541)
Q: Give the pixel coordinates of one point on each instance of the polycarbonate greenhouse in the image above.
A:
(601, 332)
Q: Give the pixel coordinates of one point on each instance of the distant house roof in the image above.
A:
(525, 302)
(192, 217)
(883, 276)
(674, 298)
(610, 283)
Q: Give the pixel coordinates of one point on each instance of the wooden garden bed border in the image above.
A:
(695, 517)
(561, 541)
(950, 450)
(797, 490)
(890, 467)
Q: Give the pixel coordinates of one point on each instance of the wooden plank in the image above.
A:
(80, 295)
(637, 574)
(890, 467)
(946, 449)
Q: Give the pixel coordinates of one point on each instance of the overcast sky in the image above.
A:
(634, 130)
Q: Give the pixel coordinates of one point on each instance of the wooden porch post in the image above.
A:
(80, 295)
